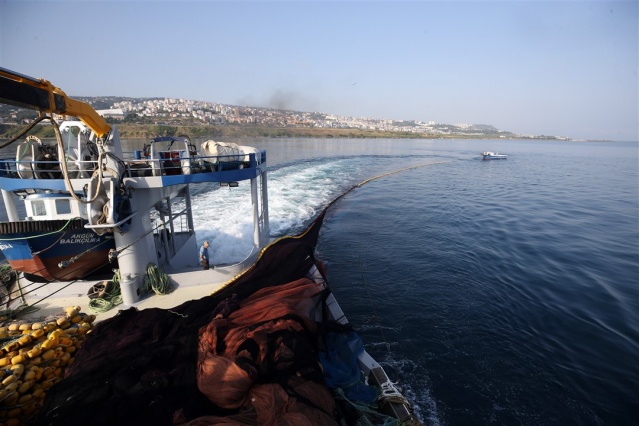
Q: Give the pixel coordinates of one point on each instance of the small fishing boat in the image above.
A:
(45, 234)
(262, 341)
(488, 155)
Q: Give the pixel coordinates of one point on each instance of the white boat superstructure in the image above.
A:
(141, 201)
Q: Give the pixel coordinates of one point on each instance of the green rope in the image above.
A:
(365, 411)
(111, 298)
(100, 305)
(156, 280)
(7, 274)
(41, 235)
(26, 151)
(20, 310)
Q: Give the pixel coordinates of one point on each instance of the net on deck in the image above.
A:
(248, 355)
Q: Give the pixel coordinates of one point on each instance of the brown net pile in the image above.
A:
(245, 356)
(261, 359)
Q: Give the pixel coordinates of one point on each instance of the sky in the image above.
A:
(559, 68)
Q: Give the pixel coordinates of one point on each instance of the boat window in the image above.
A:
(38, 208)
(62, 206)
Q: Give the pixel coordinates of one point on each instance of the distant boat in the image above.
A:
(488, 155)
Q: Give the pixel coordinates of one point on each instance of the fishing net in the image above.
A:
(249, 355)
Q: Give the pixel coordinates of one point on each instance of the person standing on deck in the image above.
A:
(204, 255)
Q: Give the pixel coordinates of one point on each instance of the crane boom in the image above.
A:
(39, 94)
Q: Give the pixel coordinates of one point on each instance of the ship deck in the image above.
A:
(50, 299)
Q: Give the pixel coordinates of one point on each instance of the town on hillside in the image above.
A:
(170, 111)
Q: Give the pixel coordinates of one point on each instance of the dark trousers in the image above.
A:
(205, 263)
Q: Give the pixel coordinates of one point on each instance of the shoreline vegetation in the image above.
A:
(228, 131)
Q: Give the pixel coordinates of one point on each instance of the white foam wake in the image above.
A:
(296, 194)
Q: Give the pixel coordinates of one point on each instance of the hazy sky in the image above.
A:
(566, 68)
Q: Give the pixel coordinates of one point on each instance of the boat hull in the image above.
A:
(38, 248)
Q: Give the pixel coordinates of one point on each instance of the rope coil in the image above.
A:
(156, 280)
(109, 296)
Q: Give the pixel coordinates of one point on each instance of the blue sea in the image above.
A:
(493, 292)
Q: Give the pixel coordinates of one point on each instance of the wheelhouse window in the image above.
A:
(38, 208)
(62, 206)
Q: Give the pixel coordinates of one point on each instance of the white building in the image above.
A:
(113, 113)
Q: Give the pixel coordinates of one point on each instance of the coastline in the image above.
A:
(145, 131)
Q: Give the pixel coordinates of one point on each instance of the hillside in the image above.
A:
(150, 117)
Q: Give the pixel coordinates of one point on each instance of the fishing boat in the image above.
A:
(489, 155)
(263, 341)
(45, 234)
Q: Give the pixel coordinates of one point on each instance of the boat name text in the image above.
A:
(84, 238)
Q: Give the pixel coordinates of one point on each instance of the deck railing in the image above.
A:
(168, 163)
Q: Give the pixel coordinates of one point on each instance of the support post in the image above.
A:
(266, 227)
(10, 206)
(256, 213)
(133, 261)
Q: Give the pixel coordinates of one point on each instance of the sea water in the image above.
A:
(493, 292)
